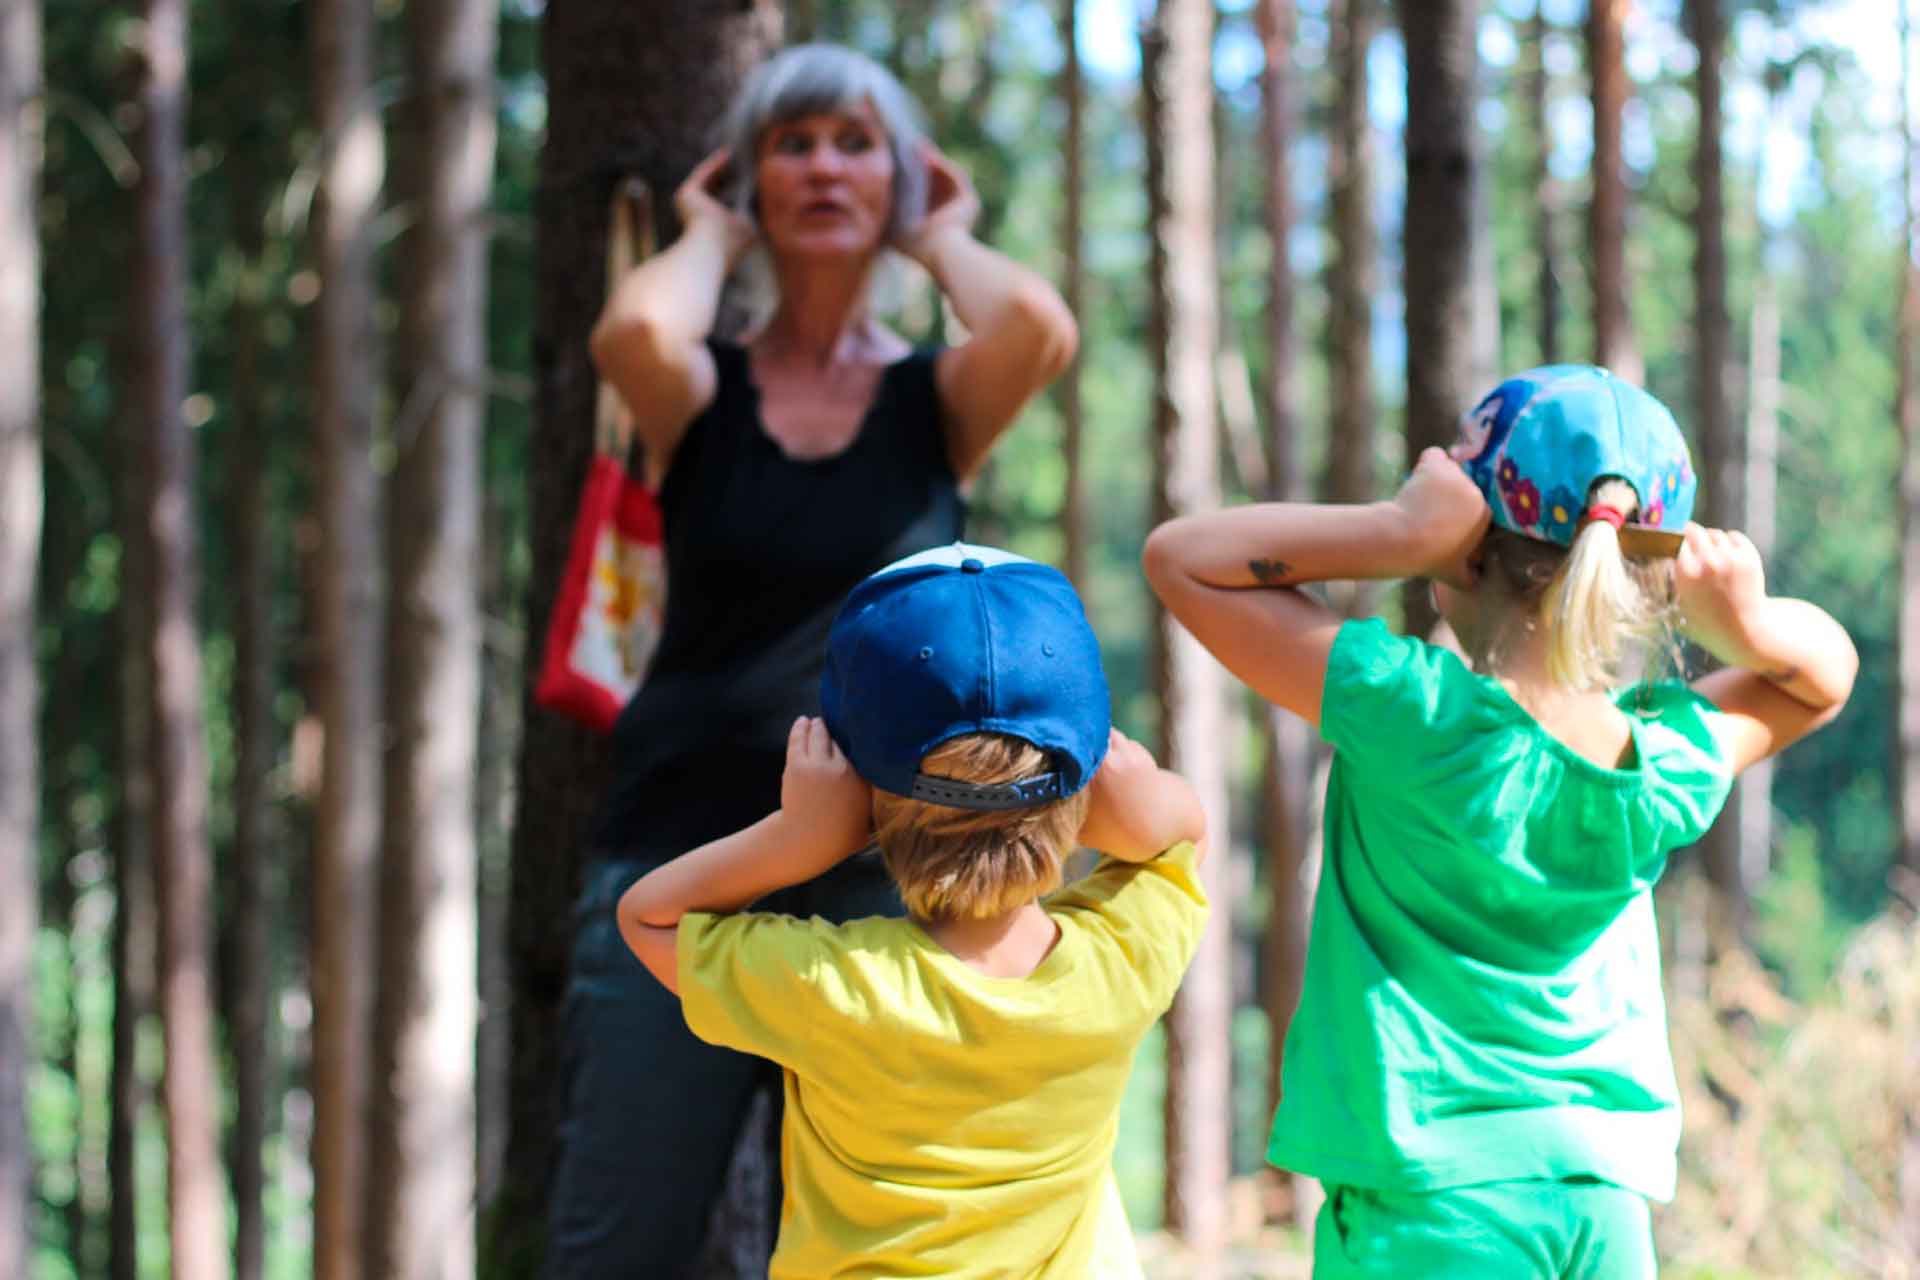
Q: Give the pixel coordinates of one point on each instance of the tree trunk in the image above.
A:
(182, 856)
(1289, 750)
(421, 1155)
(1753, 793)
(21, 108)
(1177, 94)
(249, 906)
(1073, 518)
(1443, 174)
(134, 953)
(1613, 343)
(1907, 413)
(631, 90)
(1353, 270)
(1546, 191)
(1721, 501)
(493, 816)
(345, 623)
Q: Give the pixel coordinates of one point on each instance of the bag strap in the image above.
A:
(630, 241)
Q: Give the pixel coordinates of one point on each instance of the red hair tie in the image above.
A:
(1601, 511)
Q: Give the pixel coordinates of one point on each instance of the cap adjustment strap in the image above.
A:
(989, 796)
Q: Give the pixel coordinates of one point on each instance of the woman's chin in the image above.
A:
(826, 247)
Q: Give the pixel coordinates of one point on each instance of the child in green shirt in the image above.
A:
(1480, 1073)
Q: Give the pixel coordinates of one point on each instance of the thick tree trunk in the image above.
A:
(1613, 343)
(1721, 501)
(632, 90)
(421, 1155)
(21, 108)
(1177, 84)
(345, 623)
(181, 852)
(1073, 517)
(249, 906)
(1546, 190)
(1443, 175)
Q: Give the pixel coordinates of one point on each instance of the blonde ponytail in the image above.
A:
(1599, 602)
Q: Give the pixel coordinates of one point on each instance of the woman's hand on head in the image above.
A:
(698, 202)
(952, 206)
(1719, 585)
(829, 805)
(1446, 515)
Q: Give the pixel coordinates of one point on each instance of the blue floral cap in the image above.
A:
(1540, 439)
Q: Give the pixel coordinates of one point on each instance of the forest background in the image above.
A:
(227, 446)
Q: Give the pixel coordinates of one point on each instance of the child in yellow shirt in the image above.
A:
(952, 1079)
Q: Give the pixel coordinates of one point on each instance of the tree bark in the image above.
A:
(21, 114)
(1073, 518)
(1907, 415)
(1546, 190)
(422, 1157)
(632, 91)
(1443, 175)
(345, 623)
(1353, 270)
(134, 953)
(1613, 343)
(250, 905)
(1721, 501)
(1289, 749)
(181, 851)
(1177, 94)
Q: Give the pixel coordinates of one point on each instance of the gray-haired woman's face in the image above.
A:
(823, 185)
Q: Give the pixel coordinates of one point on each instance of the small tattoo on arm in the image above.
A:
(1269, 572)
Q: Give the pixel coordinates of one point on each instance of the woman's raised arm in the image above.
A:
(1020, 334)
(650, 340)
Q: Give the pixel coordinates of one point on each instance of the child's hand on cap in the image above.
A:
(821, 794)
(1719, 584)
(1446, 515)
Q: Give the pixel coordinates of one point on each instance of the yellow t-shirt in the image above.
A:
(941, 1122)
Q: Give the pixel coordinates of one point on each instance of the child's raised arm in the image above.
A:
(825, 814)
(1230, 576)
(1789, 665)
(1137, 810)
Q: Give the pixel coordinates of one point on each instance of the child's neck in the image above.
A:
(1010, 945)
(1586, 721)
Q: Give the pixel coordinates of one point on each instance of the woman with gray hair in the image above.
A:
(791, 465)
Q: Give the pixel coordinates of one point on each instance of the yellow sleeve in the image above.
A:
(1154, 911)
(745, 980)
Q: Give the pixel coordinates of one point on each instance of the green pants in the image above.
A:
(1522, 1230)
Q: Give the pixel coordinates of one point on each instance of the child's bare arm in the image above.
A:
(1789, 665)
(1137, 809)
(1231, 576)
(825, 814)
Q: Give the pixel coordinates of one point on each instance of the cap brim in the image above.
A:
(1648, 543)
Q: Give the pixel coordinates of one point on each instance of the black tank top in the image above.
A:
(761, 549)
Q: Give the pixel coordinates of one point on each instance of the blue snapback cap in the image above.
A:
(966, 639)
(1539, 440)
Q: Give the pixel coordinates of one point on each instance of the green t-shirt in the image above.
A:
(1482, 992)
